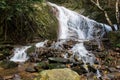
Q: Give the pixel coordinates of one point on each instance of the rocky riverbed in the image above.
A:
(46, 58)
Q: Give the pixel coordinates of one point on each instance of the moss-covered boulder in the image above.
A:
(58, 74)
(8, 64)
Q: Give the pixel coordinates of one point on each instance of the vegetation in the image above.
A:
(23, 20)
(20, 20)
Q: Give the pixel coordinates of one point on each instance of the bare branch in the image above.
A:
(117, 14)
(97, 3)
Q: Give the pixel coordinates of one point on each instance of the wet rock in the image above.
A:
(30, 69)
(49, 52)
(56, 66)
(114, 76)
(69, 44)
(58, 60)
(1, 78)
(91, 69)
(91, 45)
(31, 50)
(49, 43)
(118, 67)
(46, 65)
(59, 74)
(16, 77)
(112, 69)
(79, 70)
(8, 77)
(91, 76)
(8, 64)
(42, 65)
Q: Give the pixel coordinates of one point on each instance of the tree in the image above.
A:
(117, 14)
(97, 4)
(22, 20)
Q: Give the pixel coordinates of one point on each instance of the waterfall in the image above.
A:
(20, 55)
(74, 26)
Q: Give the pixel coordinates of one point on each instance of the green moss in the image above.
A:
(114, 38)
(31, 49)
(8, 64)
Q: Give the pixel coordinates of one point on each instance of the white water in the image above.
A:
(74, 26)
(77, 27)
(20, 55)
(41, 44)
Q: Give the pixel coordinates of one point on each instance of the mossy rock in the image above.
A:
(43, 65)
(31, 49)
(8, 64)
(58, 74)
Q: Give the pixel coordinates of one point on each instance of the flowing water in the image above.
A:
(72, 26)
(20, 55)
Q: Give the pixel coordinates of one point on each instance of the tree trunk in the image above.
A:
(96, 3)
(117, 14)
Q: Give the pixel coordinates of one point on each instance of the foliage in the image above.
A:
(87, 8)
(46, 21)
(16, 19)
(118, 45)
(114, 38)
(20, 20)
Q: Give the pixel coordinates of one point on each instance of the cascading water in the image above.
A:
(20, 55)
(73, 26)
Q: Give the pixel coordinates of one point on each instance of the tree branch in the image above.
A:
(97, 3)
(117, 14)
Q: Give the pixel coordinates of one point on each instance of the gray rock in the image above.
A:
(118, 67)
(30, 69)
(112, 69)
(17, 77)
(58, 59)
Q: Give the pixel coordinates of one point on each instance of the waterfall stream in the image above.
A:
(72, 26)
(20, 55)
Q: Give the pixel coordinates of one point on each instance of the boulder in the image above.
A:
(8, 64)
(59, 74)
(30, 69)
(58, 60)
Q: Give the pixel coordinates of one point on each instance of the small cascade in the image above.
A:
(20, 55)
(41, 44)
(82, 54)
